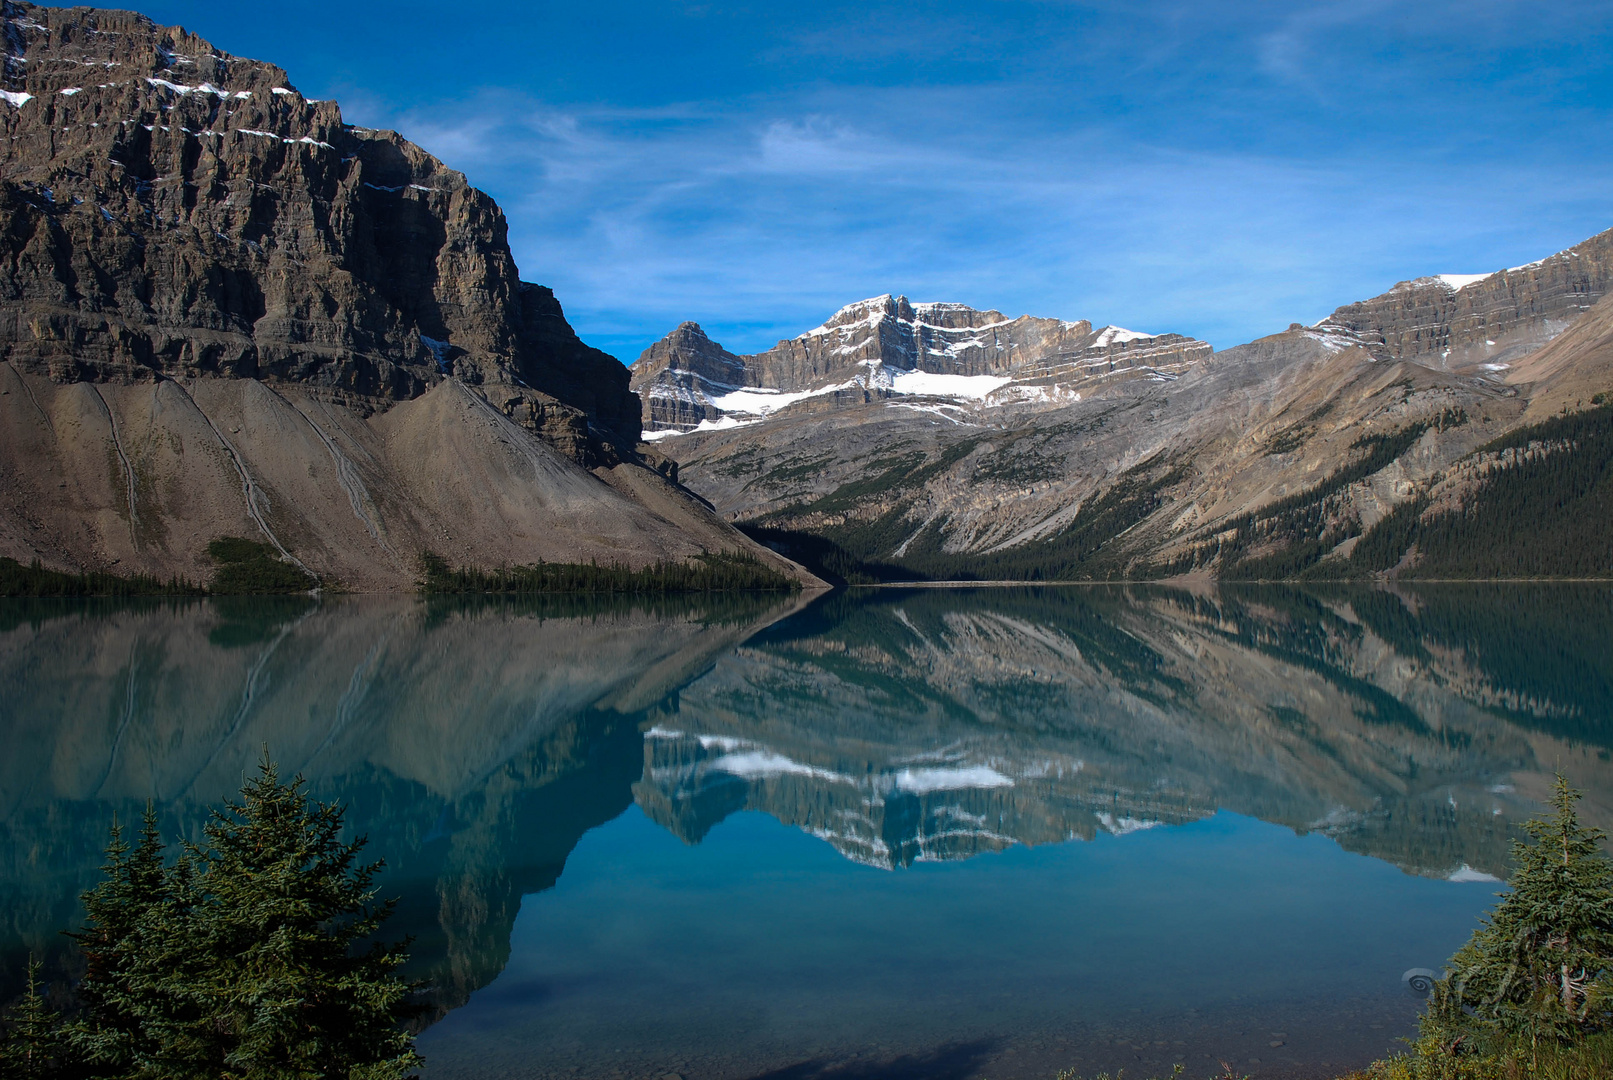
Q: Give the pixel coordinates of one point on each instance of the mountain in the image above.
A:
(1267, 460)
(887, 349)
(224, 311)
(1483, 321)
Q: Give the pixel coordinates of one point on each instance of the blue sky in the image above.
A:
(1215, 169)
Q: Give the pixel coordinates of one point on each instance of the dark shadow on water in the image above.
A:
(954, 1061)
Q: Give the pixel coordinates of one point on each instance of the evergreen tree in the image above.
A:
(32, 1048)
(245, 959)
(111, 1036)
(1542, 964)
(252, 958)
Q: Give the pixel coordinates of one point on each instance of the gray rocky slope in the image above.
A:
(1149, 466)
(224, 311)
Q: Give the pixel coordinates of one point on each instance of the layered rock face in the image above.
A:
(224, 311)
(689, 369)
(1464, 321)
(1202, 467)
(174, 210)
(880, 348)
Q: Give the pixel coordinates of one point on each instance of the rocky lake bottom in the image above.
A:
(880, 833)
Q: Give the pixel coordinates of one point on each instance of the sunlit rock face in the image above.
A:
(887, 349)
(1482, 321)
(1135, 460)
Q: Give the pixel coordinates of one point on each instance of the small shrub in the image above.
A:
(1530, 996)
(247, 567)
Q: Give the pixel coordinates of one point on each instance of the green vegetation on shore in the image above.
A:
(240, 568)
(1543, 511)
(252, 955)
(1531, 993)
(252, 568)
(706, 573)
(34, 580)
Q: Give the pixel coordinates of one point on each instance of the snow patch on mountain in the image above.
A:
(1458, 282)
(1110, 335)
(974, 387)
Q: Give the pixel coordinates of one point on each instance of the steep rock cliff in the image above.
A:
(223, 310)
(173, 210)
(1485, 321)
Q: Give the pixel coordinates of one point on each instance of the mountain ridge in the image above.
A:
(1267, 459)
(226, 311)
(882, 348)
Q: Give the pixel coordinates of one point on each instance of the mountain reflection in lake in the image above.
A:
(907, 901)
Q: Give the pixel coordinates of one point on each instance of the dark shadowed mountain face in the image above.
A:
(475, 744)
(170, 209)
(225, 312)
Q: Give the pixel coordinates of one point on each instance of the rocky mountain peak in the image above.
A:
(887, 347)
(875, 307)
(1484, 322)
(174, 210)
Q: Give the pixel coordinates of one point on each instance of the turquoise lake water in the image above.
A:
(885, 833)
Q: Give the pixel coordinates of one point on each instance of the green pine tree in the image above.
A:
(269, 981)
(32, 1047)
(111, 1036)
(246, 959)
(1541, 966)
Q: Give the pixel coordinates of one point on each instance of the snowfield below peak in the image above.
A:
(1458, 282)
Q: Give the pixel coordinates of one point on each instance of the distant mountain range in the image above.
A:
(1457, 425)
(890, 349)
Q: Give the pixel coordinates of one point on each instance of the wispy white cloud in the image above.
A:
(1224, 210)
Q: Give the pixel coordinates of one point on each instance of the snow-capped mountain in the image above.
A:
(935, 440)
(948, 355)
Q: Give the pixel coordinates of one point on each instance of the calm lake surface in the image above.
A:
(938, 833)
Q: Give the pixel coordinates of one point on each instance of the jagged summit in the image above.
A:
(888, 348)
